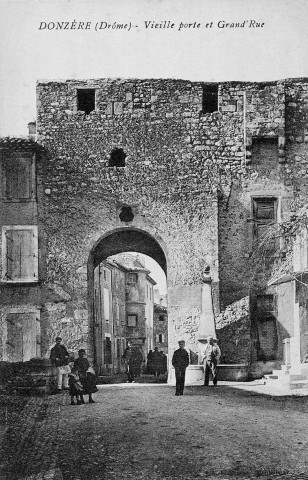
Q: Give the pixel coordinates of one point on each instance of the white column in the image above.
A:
(207, 319)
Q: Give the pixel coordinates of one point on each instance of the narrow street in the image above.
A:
(143, 431)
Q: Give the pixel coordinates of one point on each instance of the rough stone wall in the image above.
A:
(177, 160)
(160, 182)
(234, 333)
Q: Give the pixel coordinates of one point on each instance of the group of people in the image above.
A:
(156, 362)
(210, 357)
(133, 359)
(78, 378)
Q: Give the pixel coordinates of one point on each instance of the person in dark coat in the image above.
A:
(156, 362)
(137, 360)
(76, 388)
(150, 362)
(86, 375)
(180, 361)
(59, 357)
(128, 360)
(164, 362)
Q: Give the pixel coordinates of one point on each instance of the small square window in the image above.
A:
(86, 100)
(264, 216)
(132, 320)
(210, 98)
(132, 277)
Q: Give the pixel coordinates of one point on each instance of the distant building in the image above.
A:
(124, 304)
(161, 328)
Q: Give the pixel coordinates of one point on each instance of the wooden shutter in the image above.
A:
(21, 255)
(29, 335)
(24, 177)
(9, 254)
(14, 344)
(23, 332)
(19, 177)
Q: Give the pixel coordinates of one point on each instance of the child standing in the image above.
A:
(76, 389)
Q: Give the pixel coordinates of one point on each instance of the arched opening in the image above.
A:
(124, 304)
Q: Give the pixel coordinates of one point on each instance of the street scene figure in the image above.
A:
(163, 362)
(210, 357)
(59, 357)
(136, 361)
(156, 362)
(129, 363)
(149, 368)
(180, 362)
(86, 375)
(76, 388)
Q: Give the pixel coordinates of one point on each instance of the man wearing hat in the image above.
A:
(180, 361)
(211, 355)
(60, 358)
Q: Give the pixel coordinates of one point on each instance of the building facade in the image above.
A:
(123, 306)
(191, 174)
(161, 328)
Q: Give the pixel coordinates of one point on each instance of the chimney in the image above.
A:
(32, 130)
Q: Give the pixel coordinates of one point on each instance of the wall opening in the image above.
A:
(127, 295)
(209, 98)
(86, 100)
(117, 158)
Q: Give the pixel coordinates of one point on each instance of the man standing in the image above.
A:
(211, 356)
(128, 360)
(180, 361)
(59, 357)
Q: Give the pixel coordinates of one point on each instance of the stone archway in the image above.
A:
(114, 242)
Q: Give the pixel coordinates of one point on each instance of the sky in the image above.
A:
(31, 49)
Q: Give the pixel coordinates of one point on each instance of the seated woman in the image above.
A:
(86, 374)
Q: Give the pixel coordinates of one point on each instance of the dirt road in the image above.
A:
(139, 431)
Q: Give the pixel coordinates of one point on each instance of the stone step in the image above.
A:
(281, 372)
(298, 384)
(294, 377)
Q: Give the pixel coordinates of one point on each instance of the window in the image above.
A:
(266, 326)
(21, 335)
(265, 152)
(86, 100)
(132, 277)
(132, 320)
(264, 216)
(107, 351)
(106, 305)
(18, 177)
(210, 98)
(118, 349)
(160, 338)
(117, 311)
(20, 254)
(117, 158)
(161, 318)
